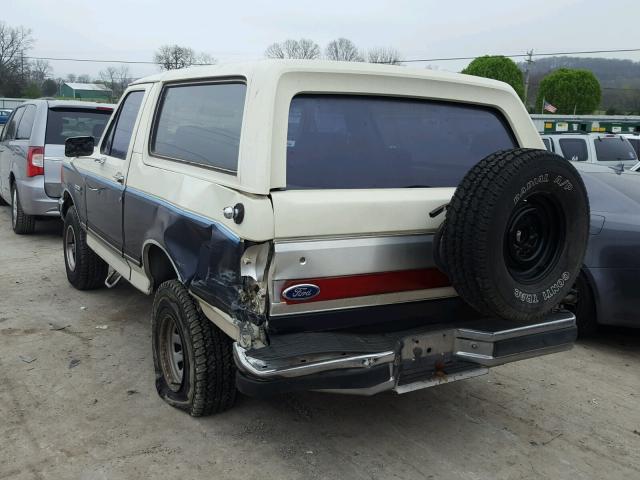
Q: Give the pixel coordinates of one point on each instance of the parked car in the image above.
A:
(31, 151)
(606, 149)
(634, 140)
(605, 292)
(289, 216)
(4, 115)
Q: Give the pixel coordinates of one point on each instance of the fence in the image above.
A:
(11, 102)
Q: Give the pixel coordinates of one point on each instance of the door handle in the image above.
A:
(118, 177)
(100, 160)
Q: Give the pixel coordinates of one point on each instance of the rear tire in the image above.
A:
(193, 358)
(516, 232)
(85, 269)
(21, 223)
(584, 308)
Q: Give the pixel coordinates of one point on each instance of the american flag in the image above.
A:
(549, 108)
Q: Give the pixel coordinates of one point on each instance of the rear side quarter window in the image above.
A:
(574, 149)
(200, 124)
(10, 129)
(26, 123)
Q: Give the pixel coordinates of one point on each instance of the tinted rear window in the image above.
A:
(65, 123)
(614, 149)
(574, 149)
(340, 141)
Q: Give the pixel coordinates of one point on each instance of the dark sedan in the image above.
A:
(606, 292)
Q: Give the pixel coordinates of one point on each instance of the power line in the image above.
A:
(517, 55)
(412, 60)
(90, 60)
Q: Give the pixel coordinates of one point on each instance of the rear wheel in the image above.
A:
(516, 232)
(85, 269)
(20, 222)
(192, 357)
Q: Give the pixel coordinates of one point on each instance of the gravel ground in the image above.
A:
(77, 400)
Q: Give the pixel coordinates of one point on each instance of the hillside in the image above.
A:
(620, 79)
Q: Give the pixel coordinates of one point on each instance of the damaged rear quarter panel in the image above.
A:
(206, 254)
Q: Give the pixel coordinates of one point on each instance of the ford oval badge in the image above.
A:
(301, 292)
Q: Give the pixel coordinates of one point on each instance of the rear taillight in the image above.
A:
(35, 161)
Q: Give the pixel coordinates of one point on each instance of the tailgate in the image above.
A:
(339, 249)
(53, 157)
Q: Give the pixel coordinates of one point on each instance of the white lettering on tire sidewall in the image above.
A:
(559, 181)
(545, 295)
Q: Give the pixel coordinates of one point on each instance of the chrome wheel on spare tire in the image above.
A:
(516, 232)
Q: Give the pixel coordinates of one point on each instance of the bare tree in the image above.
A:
(71, 77)
(84, 78)
(344, 50)
(40, 70)
(14, 67)
(171, 57)
(301, 49)
(204, 58)
(14, 42)
(116, 79)
(387, 55)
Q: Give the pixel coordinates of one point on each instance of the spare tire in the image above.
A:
(516, 232)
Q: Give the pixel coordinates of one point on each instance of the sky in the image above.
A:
(241, 30)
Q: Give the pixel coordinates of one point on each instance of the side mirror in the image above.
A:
(79, 146)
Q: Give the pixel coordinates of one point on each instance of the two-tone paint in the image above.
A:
(144, 205)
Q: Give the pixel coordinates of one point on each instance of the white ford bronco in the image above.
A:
(328, 226)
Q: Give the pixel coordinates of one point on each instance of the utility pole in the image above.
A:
(528, 61)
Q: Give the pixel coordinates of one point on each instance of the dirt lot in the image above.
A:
(77, 401)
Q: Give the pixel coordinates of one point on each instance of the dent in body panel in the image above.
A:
(206, 254)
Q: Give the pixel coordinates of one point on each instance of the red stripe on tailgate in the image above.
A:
(332, 288)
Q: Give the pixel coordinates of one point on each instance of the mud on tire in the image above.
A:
(517, 229)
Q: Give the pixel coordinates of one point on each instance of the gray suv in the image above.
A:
(31, 152)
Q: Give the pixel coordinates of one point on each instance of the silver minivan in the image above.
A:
(31, 152)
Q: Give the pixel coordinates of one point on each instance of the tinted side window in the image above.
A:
(635, 143)
(343, 141)
(201, 124)
(26, 123)
(574, 149)
(116, 142)
(547, 144)
(12, 126)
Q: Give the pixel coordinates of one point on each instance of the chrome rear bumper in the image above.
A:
(402, 361)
